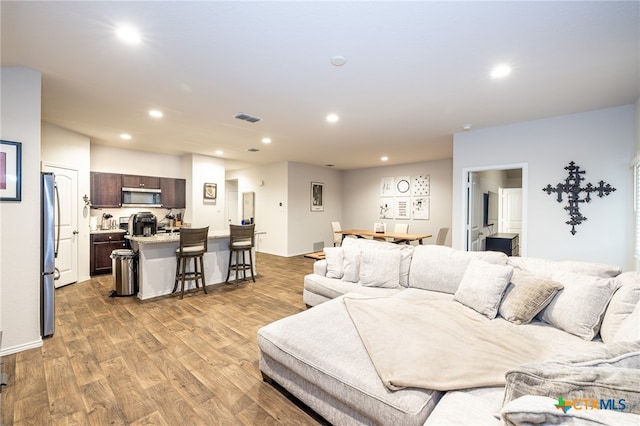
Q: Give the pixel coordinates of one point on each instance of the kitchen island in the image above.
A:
(157, 262)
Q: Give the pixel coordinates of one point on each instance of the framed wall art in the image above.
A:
(10, 171)
(317, 197)
(210, 192)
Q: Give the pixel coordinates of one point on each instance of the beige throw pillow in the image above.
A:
(526, 295)
(334, 257)
(482, 286)
(380, 268)
(579, 307)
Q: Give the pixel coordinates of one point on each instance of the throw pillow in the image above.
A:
(351, 264)
(629, 330)
(482, 286)
(622, 304)
(334, 257)
(380, 268)
(579, 307)
(526, 296)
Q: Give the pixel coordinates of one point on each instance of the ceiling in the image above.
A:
(415, 72)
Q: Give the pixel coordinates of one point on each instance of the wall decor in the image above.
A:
(386, 186)
(572, 186)
(403, 186)
(421, 186)
(420, 208)
(386, 208)
(317, 197)
(210, 191)
(402, 208)
(10, 171)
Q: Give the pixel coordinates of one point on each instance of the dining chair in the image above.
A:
(337, 237)
(401, 228)
(193, 246)
(241, 242)
(441, 237)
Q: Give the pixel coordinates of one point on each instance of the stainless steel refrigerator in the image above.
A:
(49, 248)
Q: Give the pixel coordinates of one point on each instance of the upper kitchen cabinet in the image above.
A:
(106, 189)
(132, 181)
(173, 193)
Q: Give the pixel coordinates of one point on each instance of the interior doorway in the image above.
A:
(232, 212)
(495, 202)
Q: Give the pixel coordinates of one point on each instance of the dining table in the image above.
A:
(396, 237)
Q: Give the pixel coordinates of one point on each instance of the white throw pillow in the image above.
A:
(380, 268)
(351, 264)
(334, 257)
(482, 286)
(622, 303)
(579, 307)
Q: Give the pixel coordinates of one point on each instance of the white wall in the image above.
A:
(361, 196)
(20, 94)
(64, 148)
(600, 142)
(205, 169)
(126, 161)
(311, 231)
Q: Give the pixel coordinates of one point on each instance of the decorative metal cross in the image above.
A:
(572, 188)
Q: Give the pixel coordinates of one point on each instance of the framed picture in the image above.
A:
(210, 191)
(317, 197)
(10, 171)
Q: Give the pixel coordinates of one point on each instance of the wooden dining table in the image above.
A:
(396, 237)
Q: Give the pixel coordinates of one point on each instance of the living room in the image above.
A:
(601, 138)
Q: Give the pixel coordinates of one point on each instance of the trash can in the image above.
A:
(124, 267)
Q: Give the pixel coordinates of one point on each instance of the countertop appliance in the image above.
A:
(143, 223)
(49, 248)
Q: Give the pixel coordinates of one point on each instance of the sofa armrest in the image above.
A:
(320, 267)
(541, 410)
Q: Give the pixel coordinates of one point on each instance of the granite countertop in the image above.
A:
(108, 231)
(171, 237)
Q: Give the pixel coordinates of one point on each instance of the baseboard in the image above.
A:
(20, 348)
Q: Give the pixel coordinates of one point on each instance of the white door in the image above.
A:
(67, 248)
(510, 210)
(474, 213)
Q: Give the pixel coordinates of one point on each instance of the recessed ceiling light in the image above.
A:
(385, 158)
(128, 34)
(125, 136)
(219, 152)
(156, 113)
(501, 71)
(332, 118)
(338, 60)
(466, 127)
(266, 140)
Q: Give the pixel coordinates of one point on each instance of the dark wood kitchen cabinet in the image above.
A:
(102, 244)
(173, 193)
(133, 181)
(106, 190)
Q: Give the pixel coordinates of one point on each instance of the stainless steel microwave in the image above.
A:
(141, 197)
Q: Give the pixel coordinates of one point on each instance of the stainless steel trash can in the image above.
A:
(123, 264)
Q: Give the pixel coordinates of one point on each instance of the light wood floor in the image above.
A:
(161, 362)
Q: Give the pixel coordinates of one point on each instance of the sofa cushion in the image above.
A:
(335, 258)
(579, 307)
(629, 330)
(441, 268)
(526, 296)
(480, 406)
(547, 267)
(608, 372)
(351, 264)
(622, 304)
(406, 253)
(380, 268)
(332, 288)
(482, 287)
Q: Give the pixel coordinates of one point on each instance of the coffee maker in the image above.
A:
(143, 223)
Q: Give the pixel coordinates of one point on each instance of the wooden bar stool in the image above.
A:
(241, 241)
(193, 246)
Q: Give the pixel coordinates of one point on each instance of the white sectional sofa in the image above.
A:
(413, 335)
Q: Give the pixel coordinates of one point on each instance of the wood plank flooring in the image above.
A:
(120, 361)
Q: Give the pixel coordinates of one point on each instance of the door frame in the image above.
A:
(465, 205)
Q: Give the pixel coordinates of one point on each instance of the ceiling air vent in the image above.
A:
(247, 117)
(253, 150)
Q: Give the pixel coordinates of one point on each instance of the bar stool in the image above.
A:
(193, 246)
(241, 240)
